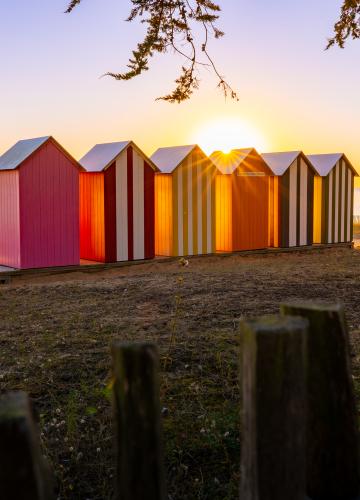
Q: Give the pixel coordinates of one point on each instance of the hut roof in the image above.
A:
(168, 159)
(280, 162)
(227, 163)
(18, 153)
(324, 163)
(101, 156)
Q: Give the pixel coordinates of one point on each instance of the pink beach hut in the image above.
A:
(39, 205)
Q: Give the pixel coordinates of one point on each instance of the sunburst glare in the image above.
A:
(227, 134)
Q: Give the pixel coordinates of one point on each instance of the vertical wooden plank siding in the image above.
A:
(223, 213)
(49, 209)
(122, 207)
(348, 173)
(190, 213)
(213, 209)
(92, 216)
(250, 211)
(293, 204)
(184, 171)
(342, 202)
(149, 211)
(271, 212)
(336, 220)
(310, 206)
(135, 207)
(277, 212)
(130, 200)
(204, 218)
(138, 207)
(110, 213)
(211, 220)
(303, 223)
(199, 207)
(163, 214)
(296, 206)
(179, 221)
(351, 210)
(193, 206)
(318, 203)
(9, 219)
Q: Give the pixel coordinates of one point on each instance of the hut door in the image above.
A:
(250, 211)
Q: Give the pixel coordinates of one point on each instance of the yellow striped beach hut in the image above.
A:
(333, 198)
(184, 201)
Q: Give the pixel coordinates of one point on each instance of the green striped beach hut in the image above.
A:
(291, 195)
(333, 198)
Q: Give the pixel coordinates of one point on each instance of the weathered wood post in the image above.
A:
(23, 473)
(332, 432)
(140, 466)
(273, 371)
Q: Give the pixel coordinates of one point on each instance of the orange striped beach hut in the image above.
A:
(242, 200)
(184, 201)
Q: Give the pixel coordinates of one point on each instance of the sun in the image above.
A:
(227, 134)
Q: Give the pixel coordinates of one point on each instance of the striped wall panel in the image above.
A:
(135, 210)
(118, 223)
(185, 208)
(163, 215)
(334, 206)
(293, 202)
(194, 207)
(224, 240)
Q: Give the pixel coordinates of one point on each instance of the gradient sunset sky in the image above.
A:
(293, 94)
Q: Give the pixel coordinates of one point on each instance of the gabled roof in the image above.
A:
(324, 163)
(22, 150)
(168, 159)
(18, 153)
(280, 162)
(227, 163)
(101, 156)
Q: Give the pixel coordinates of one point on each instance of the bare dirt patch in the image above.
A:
(55, 333)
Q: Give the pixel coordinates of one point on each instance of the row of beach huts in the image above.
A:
(116, 204)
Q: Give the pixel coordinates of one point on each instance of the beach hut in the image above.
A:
(291, 199)
(39, 205)
(242, 200)
(333, 198)
(117, 204)
(185, 201)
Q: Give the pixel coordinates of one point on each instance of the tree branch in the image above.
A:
(169, 23)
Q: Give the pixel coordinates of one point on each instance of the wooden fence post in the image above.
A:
(140, 466)
(23, 473)
(273, 367)
(332, 431)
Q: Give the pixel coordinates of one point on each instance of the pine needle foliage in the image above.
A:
(348, 24)
(171, 27)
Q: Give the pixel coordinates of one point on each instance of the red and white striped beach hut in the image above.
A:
(39, 205)
(117, 204)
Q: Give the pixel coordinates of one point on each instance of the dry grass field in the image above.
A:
(55, 333)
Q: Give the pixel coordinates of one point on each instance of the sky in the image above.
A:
(293, 93)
